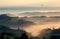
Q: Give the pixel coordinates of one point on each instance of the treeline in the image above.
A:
(48, 34)
(7, 33)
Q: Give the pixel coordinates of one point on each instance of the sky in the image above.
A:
(33, 3)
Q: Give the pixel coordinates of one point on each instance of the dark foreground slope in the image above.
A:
(7, 33)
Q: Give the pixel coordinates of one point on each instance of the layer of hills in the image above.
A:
(25, 21)
(29, 8)
(14, 21)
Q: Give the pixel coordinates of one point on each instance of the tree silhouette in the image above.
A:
(2, 35)
(23, 36)
(55, 34)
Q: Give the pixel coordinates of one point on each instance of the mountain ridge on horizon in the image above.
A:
(29, 8)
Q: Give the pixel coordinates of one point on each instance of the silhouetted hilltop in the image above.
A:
(4, 17)
(50, 34)
(56, 32)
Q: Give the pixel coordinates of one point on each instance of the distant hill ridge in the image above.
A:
(29, 8)
(14, 21)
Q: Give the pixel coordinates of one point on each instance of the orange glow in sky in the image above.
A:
(29, 2)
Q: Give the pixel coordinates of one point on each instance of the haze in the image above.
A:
(33, 3)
